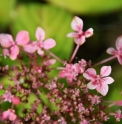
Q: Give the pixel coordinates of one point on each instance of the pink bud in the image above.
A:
(16, 100)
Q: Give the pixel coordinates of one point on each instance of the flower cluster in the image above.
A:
(34, 97)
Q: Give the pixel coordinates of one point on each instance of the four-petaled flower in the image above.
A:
(39, 44)
(99, 82)
(10, 47)
(118, 52)
(79, 36)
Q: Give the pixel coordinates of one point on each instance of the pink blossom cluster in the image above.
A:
(11, 47)
(71, 71)
(55, 101)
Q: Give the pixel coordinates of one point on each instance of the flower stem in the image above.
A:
(54, 56)
(74, 53)
(105, 60)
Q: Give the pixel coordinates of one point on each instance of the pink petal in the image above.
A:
(119, 43)
(5, 114)
(30, 48)
(80, 41)
(89, 32)
(40, 34)
(77, 24)
(62, 74)
(107, 80)
(6, 40)
(14, 51)
(105, 71)
(90, 74)
(51, 61)
(72, 34)
(102, 89)
(22, 38)
(12, 116)
(49, 43)
(40, 51)
(111, 51)
(91, 86)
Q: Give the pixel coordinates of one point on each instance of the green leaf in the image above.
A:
(55, 22)
(6, 12)
(89, 6)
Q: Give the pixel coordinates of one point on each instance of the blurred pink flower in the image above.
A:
(7, 41)
(7, 96)
(39, 44)
(16, 100)
(79, 36)
(9, 114)
(118, 115)
(99, 82)
(118, 52)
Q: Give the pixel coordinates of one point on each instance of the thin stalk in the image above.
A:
(74, 53)
(104, 61)
(54, 56)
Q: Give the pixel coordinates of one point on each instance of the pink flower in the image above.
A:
(118, 52)
(7, 41)
(39, 44)
(8, 96)
(99, 82)
(71, 71)
(9, 114)
(118, 115)
(79, 36)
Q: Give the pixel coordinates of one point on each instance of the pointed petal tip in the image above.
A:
(89, 32)
(77, 24)
(40, 34)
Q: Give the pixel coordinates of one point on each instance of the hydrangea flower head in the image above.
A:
(79, 36)
(118, 52)
(99, 82)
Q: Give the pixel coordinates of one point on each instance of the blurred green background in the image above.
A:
(55, 16)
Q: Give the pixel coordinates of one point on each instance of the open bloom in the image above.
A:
(118, 52)
(6, 41)
(9, 114)
(99, 82)
(79, 36)
(40, 44)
